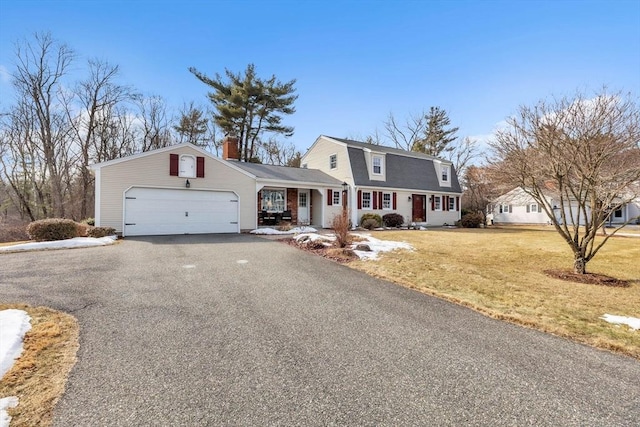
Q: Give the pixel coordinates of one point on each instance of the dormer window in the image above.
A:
(187, 166)
(333, 161)
(377, 165)
(445, 173)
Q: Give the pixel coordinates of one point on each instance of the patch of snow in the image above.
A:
(76, 242)
(377, 246)
(15, 323)
(313, 237)
(6, 403)
(273, 231)
(632, 322)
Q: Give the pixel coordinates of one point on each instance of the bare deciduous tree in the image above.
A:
(584, 151)
(40, 68)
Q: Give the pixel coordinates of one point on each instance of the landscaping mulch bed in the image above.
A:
(587, 278)
(336, 254)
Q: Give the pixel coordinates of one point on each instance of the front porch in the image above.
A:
(279, 206)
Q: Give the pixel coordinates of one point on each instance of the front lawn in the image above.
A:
(500, 272)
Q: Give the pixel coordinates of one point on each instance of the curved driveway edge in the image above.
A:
(240, 330)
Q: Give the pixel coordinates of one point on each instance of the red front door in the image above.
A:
(419, 211)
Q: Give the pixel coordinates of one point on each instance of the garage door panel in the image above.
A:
(152, 211)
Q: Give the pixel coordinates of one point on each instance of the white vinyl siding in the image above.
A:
(153, 171)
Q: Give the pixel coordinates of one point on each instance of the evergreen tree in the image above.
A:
(437, 134)
(248, 106)
(192, 126)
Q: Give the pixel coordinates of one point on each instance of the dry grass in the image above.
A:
(500, 272)
(38, 377)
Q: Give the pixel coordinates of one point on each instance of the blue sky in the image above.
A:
(354, 61)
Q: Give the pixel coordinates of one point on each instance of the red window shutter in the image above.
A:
(446, 206)
(375, 200)
(380, 205)
(433, 202)
(458, 203)
(395, 201)
(329, 197)
(173, 164)
(199, 167)
(359, 199)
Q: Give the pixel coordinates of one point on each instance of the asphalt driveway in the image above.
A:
(239, 330)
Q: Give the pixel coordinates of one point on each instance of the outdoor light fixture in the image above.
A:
(187, 184)
(409, 199)
(345, 186)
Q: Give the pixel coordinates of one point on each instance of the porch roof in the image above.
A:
(286, 173)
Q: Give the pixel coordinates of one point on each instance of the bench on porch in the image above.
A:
(273, 218)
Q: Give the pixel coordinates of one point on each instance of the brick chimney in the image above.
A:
(230, 148)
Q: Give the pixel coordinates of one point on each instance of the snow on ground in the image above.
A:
(273, 231)
(15, 324)
(76, 242)
(632, 322)
(6, 403)
(376, 245)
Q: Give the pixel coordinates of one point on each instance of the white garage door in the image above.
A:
(156, 211)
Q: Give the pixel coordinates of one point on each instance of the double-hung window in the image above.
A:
(377, 165)
(452, 203)
(436, 203)
(366, 200)
(386, 201)
(336, 198)
(333, 161)
(445, 173)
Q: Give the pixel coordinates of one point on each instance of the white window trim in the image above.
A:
(195, 166)
(452, 203)
(336, 162)
(438, 206)
(333, 197)
(370, 200)
(445, 173)
(373, 165)
(390, 208)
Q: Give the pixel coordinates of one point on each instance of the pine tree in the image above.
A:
(248, 106)
(192, 126)
(437, 136)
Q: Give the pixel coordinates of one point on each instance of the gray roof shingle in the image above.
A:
(286, 173)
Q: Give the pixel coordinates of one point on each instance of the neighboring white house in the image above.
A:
(518, 207)
(183, 189)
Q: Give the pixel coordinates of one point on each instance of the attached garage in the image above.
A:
(160, 211)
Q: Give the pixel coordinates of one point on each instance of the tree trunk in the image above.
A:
(579, 264)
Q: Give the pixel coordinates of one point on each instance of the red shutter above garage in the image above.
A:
(329, 197)
(173, 164)
(199, 167)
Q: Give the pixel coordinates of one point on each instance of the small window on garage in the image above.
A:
(187, 166)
